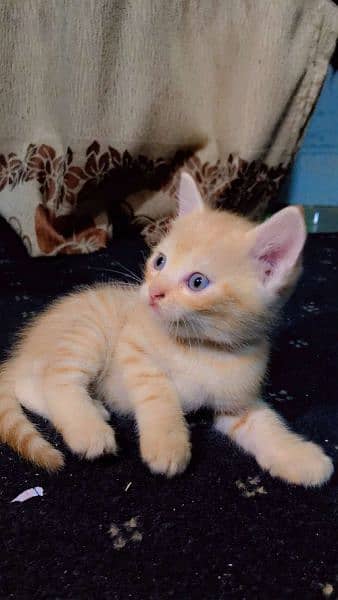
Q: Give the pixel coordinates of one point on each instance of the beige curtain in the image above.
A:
(102, 101)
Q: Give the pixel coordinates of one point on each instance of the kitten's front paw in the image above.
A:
(303, 463)
(90, 440)
(104, 412)
(166, 453)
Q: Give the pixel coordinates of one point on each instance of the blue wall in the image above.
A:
(314, 178)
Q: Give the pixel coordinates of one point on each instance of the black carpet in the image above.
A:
(224, 529)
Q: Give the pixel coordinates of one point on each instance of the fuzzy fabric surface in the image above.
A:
(111, 530)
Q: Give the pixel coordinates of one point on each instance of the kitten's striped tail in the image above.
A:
(20, 434)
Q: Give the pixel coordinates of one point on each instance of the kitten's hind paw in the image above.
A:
(166, 453)
(304, 463)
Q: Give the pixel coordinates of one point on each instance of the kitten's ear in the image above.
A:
(188, 196)
(277, 246)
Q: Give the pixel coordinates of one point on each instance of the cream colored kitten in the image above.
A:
(194, 334)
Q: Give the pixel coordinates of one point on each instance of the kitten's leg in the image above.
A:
(77, 359)
(263, 433)
(164, 435)
(104, 412)
(74, 414)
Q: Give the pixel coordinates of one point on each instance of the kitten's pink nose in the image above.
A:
(155, 295)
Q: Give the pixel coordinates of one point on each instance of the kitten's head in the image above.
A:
(216, 276)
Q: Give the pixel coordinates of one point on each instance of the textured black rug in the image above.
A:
(224, 529)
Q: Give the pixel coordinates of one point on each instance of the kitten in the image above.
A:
(195, 333)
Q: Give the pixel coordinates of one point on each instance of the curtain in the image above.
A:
(103, 102)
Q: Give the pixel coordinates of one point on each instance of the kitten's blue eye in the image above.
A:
(159, 262)
(197, 282)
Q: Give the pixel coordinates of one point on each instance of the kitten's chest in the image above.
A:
(215, 379)
(198, 380)
(201, 377)
(194, 380)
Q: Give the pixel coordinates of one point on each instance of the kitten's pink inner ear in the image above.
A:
(188, 195)
(278, 244)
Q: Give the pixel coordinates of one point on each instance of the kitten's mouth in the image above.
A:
(155, 307)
